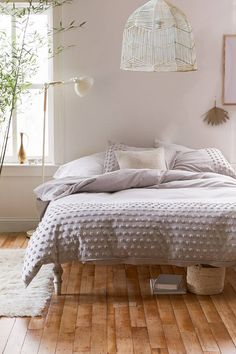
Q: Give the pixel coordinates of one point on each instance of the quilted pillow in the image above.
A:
(152, 159)
(110, 162)
(204, 160)
(87, 166)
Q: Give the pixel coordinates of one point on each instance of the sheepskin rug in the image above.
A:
(15, 299)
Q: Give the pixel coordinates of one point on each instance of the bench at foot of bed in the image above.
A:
(57, 271)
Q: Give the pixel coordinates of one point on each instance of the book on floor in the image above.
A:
(168, 284)
(168, 281)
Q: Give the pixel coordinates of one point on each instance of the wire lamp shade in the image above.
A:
(158, 37)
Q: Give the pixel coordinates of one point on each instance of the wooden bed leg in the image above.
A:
(58, 271)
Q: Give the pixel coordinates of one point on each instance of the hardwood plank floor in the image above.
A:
(108, 309)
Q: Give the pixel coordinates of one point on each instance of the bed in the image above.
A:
(135, 216)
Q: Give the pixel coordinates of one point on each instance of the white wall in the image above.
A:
(135, 107)
(18, 210)
(144, 105)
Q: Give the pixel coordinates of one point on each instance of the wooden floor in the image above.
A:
(108, 309)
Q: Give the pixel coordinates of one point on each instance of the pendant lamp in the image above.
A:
(158, 37)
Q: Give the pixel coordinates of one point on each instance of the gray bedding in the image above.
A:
(136, 216)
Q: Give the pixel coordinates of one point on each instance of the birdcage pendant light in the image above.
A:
(158, 37)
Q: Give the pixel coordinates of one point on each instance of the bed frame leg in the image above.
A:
(58, 271)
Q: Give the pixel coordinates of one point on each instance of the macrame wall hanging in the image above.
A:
(158, 37)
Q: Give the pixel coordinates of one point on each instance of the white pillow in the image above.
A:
(111, 163)
(84, 167)
(171, 151)
(151, 159)
(176, 147)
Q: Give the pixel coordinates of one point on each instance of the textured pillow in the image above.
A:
(152, 159)
(84, 167)
(204, 160)
(111, 163)
(171, 151)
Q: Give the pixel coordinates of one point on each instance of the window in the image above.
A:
(28, 117)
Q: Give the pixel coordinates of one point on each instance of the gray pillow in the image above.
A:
(204, 160)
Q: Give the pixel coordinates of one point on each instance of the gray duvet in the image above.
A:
(136, 216)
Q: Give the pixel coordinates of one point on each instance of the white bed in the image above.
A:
(136, 216)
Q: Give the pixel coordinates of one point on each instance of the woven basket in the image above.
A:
(205, 280)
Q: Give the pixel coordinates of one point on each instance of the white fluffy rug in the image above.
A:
(15, 299)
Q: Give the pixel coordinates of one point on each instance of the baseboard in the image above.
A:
(11, 224)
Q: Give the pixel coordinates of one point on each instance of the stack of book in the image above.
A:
(168, 284)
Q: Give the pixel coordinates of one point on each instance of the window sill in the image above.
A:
(16, 170)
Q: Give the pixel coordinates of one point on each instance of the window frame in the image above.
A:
(49, 159)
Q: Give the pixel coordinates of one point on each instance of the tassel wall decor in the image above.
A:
(216, 116)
